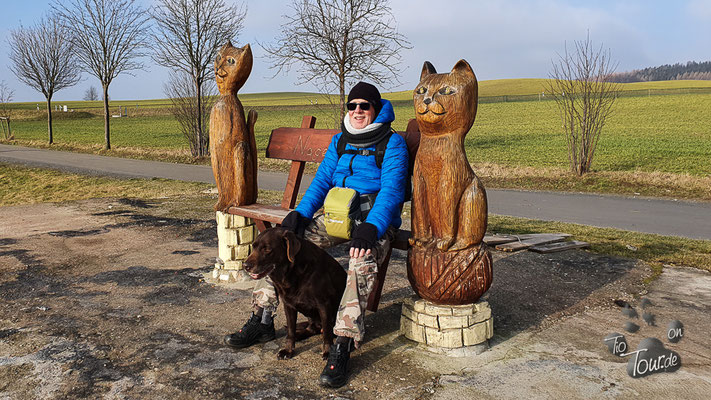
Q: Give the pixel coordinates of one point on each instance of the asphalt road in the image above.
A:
(664, 217)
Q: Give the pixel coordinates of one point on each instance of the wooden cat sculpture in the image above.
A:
(233, 149)
(448, 263)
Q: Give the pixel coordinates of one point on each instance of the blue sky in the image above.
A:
(499, 38)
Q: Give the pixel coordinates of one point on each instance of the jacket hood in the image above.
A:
(386, 114)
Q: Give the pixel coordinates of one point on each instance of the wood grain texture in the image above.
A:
(452, 277)
(299, 144)
(233, 148)
(449, 206)
(261, 212)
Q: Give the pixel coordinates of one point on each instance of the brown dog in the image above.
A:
(307, 280)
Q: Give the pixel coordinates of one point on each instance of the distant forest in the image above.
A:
(690, 70)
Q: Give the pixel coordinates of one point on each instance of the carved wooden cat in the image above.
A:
(448, 262)
(233, 149)
(449, 201)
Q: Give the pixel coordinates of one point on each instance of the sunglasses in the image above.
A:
(363, 106)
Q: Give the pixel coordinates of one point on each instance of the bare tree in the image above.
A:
(187, 104)
(91, 94)
(581, 86)
(336, 42)
(6, 96)
(187, 37)
(109, 35)
(43, 58)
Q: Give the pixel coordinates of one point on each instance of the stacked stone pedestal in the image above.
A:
(454, 330)
(235, 235)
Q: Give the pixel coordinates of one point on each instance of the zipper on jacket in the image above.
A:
(350, 168)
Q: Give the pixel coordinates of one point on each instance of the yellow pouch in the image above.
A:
(341, 208)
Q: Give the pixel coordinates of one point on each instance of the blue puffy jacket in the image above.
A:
(365, 177)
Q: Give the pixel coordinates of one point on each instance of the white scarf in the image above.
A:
(354, 131)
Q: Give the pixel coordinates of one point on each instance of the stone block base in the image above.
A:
(221, 275)
(453, 330)
(235, 235)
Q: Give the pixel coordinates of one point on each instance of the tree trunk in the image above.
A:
(49, 119)
(107, 135)
(201, 151)
(342, 98)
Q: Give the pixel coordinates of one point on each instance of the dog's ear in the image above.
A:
(293, 245)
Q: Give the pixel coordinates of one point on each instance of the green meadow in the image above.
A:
(651, 133)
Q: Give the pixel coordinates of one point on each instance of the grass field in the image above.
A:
(22, 185)
(491, 88)
(658, 133)
(669, 135)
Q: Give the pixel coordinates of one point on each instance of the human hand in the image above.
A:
(359, 252)
(364, 237)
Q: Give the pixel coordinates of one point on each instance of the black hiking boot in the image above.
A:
(254, 331)
(335, 374)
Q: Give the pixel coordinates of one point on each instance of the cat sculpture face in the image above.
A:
(446, 103)
(232, 67)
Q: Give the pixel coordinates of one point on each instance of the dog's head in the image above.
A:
(273, 249)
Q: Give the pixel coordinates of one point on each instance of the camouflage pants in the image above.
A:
(361, 277)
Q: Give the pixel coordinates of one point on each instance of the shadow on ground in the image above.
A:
(116, 307)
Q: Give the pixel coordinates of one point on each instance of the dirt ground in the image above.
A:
(106, 299)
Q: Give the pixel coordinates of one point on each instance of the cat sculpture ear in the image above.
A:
(246, 47)
(226, 46)
(427, 69)
(463, 66)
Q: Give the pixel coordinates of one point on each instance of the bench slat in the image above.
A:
(310, 145)
(273, 214)
(299, 144)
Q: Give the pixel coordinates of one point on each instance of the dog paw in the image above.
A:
(285, 354)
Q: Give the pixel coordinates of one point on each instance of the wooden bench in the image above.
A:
(306, 144)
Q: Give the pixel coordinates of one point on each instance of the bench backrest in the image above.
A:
(306, 144)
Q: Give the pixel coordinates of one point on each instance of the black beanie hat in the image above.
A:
(367, 92)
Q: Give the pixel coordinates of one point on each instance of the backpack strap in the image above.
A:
(379, 151)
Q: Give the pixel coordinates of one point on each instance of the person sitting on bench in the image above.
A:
(370, 158)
